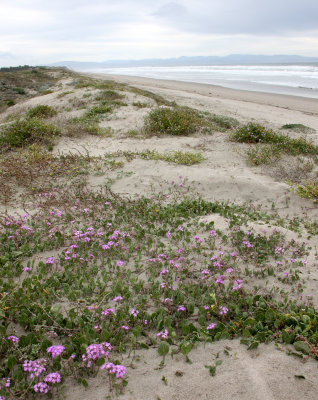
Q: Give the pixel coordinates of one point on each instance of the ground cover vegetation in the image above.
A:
(88, 277)
(17, 85)
(269, 146)
(116, 274)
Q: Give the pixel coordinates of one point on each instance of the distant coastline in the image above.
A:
(294, 80)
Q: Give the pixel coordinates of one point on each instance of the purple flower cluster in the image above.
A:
(13, 339)
(118, 370)
(211, 326)
(134, 313)
(35, 367)
(223, 310)
(53, 377)
(41, 387)
(108, 312)
(95, 351)
(55, 351)
(163, 334)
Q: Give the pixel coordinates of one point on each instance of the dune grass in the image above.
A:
(255, 133)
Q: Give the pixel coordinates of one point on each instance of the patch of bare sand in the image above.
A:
(262, 374)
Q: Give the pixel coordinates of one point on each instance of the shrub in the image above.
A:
(255, 133)
(223, 122)
(41, 111)
(260, 155)
(178, 121)
(138, 104)
(308, 190)
(298, 128)
(81, 126)
(19, 90)
(97, 111)
(109, 95)
(177, 157)
(25, 132)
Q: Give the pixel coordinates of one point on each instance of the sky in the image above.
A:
(42, 32)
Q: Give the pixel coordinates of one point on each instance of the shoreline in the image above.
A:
(273, 110)
(297, 103)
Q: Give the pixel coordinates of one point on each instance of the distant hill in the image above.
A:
(233, 59)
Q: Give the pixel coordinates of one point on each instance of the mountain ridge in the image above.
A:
(232, 59)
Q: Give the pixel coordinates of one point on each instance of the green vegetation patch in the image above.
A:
(308, 190)
(255, 133)
(160, 101)
(20, 83)
(24, 132)
(177, 121)
(261, 154)
(298, 128)
(122, 274)
(97, 111)
(222, 122)
(109, 95)
(177, 157)
(41, 111)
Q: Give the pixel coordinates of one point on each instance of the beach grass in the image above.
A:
(255, 133)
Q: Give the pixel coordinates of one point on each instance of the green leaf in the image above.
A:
(302, 347)
(246, 333)
(143, 345)
(269, 315)
(211, 368)
(186, 348)
(253, 345)
(11, 362)
(164, 380)
(163, 349)
(287, 337)
(100, 362)
(219, 362)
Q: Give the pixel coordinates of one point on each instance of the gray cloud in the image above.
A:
(269, 17)
(100, 29)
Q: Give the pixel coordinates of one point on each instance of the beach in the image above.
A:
(269, 371)
(230, 101)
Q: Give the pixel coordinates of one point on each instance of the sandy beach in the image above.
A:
(265, 373)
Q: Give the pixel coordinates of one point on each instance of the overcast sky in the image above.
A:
(41, 31)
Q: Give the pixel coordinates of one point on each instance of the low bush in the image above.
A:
(109, 95)
(178, 121)
(308, 190)
(41, 111)
(24, 132)
(177, 157)
(262, 154)
(97, 111)
(255, 133)
(298, 128)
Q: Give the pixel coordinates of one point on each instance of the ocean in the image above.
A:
(297, 80)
